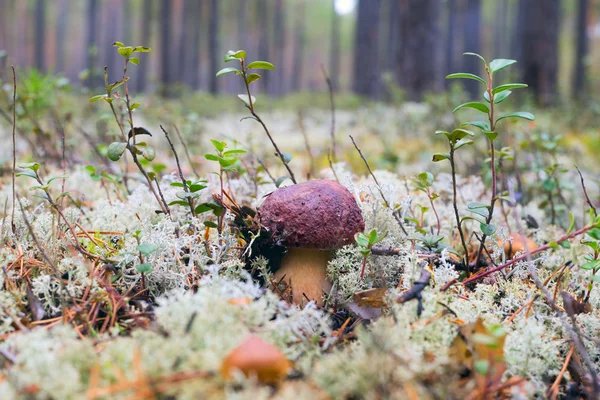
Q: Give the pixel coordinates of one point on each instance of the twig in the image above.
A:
(386, 251)
(528, 254)
(331, 166)
(183, 181)
(587, 198)
(332, 105)
(306, 143)
(415, 291)
(553, 391)
(185, 149)
(387, 204)
(14, 149)
(250, 107)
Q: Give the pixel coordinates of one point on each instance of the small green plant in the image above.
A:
(228, 160)
(365, 242)
(423, 183)
(249, 101)
(129, 142)
(492, 97)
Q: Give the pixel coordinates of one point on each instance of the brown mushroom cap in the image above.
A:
(255, 357)
(317, 214)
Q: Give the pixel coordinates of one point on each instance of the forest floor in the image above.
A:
(104, 295)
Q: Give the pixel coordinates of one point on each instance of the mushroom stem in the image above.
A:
(305, 272)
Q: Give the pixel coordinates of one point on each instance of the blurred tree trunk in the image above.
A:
(40, 34)
(298, 59)
(500, 28)
(194, 76)
(472, 34)
(127, 23)
(145, 41)
(582, 50)
(91, 46)
(366, 72)
(263, 41)
(183, 41)
(419, 32)
(61, 34)
(450, 40)
(277, 86)
(242, 26)
(213, 44)
(334, 52)
(165, 47)
(111, 35)
(538, 34)
(392, 35)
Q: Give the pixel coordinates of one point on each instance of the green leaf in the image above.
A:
(235, 55)
(594, 264)
(220, 146)
(519, 114)
(464, 75)
(508, 86)
(594, 233)
(440, 157)
(28, 173)
(475, 55)
(458, 134)
(287, 157)
(202, 208)
(134, 60)
(211, 157)
(571, 222)
(142, 49)
(143, 268)
(228, 70)
(261, 65)
(490, 135)
(146, 151)
(118, 44)
(147, 248)
(280, 180)
(116, 150)
(125, 51)
(475, 205)
(500, 97)
(253, 77)
(96, 98)
(483, 125)
(210, 224)
(475, 105)
(462, 142)
(32, 166)
(487, 229)
(244, 99)
(233, 152)
(500, 63)
(361, 239)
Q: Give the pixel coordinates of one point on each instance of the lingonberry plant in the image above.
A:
(129, 141)
(492, 97)
(249, 101)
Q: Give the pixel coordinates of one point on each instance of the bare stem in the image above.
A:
(14, 147)
(454, 204)
(260, 121)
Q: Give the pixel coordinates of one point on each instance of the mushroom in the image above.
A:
(515, 243)
(255, 357)
(311, 219)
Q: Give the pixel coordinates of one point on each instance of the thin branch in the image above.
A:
(395, 213)
(332, 105)
(306, 143)
(587, 198)
(14, 143)
(415, 291)
(183, 181)
(185, 149)
(331, 166)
